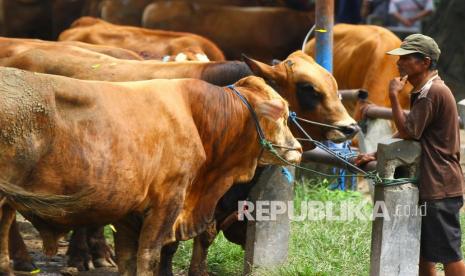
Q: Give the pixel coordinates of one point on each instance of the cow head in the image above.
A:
(272, 112)
(311, 92)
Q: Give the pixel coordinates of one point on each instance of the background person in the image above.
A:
(409, 13)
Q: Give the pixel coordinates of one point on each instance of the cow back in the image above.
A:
(360, 61)
(149, 44)
(260, 32)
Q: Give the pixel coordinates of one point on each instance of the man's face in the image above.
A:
(411, 65)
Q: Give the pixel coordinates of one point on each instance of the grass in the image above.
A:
(319, 247)
(224, 257)
(327, 247)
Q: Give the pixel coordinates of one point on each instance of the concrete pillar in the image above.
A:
(268, 239)
(374, 130)
(395, 245)
(461, 110)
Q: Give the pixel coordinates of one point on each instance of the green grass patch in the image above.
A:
(224, 258)
(327, 247)
(319, 247)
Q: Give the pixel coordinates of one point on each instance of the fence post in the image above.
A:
(395, 245)
(268, 239)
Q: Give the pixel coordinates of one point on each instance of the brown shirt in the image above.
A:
(433, 120)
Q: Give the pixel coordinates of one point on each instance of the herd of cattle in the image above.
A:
(137, 127)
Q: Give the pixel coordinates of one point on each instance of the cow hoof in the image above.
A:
(102, 262)
(69, 271)
(81, 266)
(25, 266)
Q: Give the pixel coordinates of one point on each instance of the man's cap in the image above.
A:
(418, 43)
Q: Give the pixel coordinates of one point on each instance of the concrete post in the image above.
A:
(461, 110)
(375, 130)
(395, 245)
(268, 239)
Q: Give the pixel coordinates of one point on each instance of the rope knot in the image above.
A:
(292, 115)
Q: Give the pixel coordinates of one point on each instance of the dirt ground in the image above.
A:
(56, 264)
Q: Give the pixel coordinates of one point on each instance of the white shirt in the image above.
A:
(410, 8)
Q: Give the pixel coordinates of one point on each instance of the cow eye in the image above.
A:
(307, 96)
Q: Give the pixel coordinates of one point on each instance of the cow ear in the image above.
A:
(259, 68)
(272, 109)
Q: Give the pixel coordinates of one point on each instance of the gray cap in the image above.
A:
(418, 43)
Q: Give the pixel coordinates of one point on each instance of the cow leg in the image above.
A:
(7, 218)
(202, 242)
(22, 261)
(78, 250)
(100, 251)
(166, 260)
(155, 228)
(126, 243)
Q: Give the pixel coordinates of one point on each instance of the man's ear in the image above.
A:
(271, 109)
(428, 61)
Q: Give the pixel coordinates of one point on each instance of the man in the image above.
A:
(409, 13)
(433, 121)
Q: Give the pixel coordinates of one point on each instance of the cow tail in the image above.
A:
(44, 205)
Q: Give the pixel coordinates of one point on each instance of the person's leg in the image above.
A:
(455, 268)
(441, 237)
(426, 268)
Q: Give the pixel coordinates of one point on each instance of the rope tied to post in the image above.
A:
(372, 175)
(267, 145)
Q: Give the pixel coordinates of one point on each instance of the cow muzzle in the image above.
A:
(282, 154)
(291, 153)
(293, 156)
(343, 133)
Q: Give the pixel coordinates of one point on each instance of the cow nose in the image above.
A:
(295, 155)
(350, 130)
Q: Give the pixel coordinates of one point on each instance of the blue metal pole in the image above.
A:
(324, 13)
(324, 17)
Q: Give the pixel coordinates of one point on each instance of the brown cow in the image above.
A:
(13, 46)
(43, 19)
(149, 44)
(112, 51)
(311, 90)
(295, 4)
(297, 69)
(21, 18)
(131, 151)
(360, 61)
(124, 12)
(264, 33)
(129, 12)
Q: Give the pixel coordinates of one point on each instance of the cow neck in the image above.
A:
(223, 73)
(225, 126)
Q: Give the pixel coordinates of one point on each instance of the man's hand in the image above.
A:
(407, 22)
(364, 158)
(396, 85)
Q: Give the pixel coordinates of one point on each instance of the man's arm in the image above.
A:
(406, 22)
(421, 14)
(395, 12)
(395, 86)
